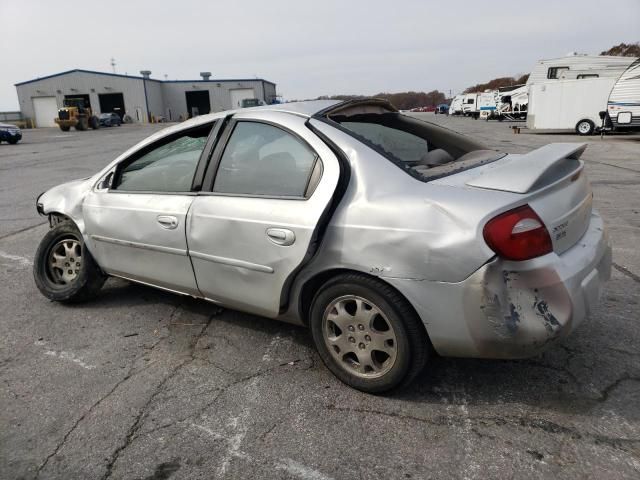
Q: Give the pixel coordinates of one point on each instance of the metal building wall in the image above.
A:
(78, 82)
(175, 102)
(164, 99)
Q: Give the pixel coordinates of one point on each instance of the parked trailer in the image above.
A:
(487, 104)
(578, 67)
(513, 102)
(470, 105)
(623, 105)
(568, 104)
(456, 105)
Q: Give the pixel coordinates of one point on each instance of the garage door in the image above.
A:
(46, 109)
(240, 94)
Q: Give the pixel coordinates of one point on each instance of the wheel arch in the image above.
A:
(311, 286)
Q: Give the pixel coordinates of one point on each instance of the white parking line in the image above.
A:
(301, 471)
(69, 356)
(22, 261)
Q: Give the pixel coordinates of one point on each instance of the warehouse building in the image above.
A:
(138, 98)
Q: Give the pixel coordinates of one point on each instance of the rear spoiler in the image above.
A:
(520, 173)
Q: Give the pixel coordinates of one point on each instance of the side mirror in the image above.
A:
(602, 114)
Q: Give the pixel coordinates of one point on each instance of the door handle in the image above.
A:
(281, 236)
(167, 221)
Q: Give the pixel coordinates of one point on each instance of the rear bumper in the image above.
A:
(514, 309)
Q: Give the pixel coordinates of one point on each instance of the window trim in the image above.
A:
(117, 171)
(557, 69)
(214, 164)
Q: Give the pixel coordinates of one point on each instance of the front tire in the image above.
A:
(367, 334)
(585, 127)
(63, 268)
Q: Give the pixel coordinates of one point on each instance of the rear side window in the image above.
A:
(587, 75)
(261, 159)
(168, 166)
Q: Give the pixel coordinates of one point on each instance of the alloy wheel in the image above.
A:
(359, 336)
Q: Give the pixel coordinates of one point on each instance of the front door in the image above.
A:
(273, 181)
(136, 228)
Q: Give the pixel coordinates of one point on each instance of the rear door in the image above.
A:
(270, 182)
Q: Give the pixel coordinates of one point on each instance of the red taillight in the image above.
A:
(518, 234)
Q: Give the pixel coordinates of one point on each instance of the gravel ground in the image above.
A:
(143, 384)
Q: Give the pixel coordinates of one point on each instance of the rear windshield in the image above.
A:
(423, 149)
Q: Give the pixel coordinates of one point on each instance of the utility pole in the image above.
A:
(113, 64)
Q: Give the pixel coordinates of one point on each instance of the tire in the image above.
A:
(405, 341)
(65, 129)
(82, 124)
(585, 127)
(61, 286)
(94, 123)
(13, 141)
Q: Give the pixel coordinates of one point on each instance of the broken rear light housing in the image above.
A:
(518, 234)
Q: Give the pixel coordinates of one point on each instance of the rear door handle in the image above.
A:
(281, 236)
(167, 221)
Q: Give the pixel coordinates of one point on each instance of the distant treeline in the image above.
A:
(624, 50)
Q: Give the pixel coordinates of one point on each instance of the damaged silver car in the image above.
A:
(389, 237)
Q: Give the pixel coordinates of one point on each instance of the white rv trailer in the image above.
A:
(456, 105)
(623, 106)
(568, 104)
(470, 105)
(578, 67)
(513, 102)
(487, 104)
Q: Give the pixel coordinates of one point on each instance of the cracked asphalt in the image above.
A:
(143, 384)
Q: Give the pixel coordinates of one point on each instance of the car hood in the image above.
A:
(8, 125)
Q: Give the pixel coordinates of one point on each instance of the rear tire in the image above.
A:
(585, 127)
(367, 334)
(94, 123)
(63, 268)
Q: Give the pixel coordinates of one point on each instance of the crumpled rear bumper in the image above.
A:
(514, 309)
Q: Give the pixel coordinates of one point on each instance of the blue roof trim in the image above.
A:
(135, 77)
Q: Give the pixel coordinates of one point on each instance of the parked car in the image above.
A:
(10, 133)
(109, 119)
(442, 108)
(389, 237)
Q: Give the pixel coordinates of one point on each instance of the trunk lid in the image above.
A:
(550, 179)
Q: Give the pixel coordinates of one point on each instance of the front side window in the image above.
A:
(261, 159)
(555, 72)
(167, 167)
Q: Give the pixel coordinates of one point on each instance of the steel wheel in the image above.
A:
(585, 127)
(359, 336)
(65, 261)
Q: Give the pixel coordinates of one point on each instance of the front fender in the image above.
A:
(67, 200)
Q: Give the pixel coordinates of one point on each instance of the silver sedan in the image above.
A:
(391, 238)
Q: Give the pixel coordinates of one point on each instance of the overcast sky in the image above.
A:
(307, 48)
